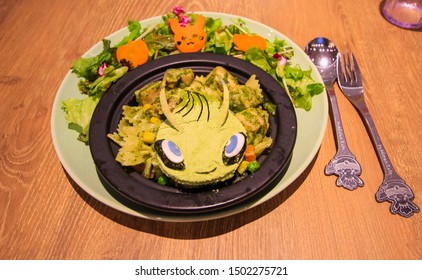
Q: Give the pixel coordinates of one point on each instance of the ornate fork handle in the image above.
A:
(393, 188)
(344, 163)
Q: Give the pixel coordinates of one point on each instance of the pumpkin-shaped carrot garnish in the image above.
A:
(133, 54)
(245, 41)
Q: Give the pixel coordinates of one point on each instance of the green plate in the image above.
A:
(76, 158)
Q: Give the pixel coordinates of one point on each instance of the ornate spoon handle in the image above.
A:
(393, 188)
(344, 163)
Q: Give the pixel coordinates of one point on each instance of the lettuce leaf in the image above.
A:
(87, 67)
(279, 47)
(99, 86)
(299, 84)
(260, 59)
(135, 31)
(78, 113)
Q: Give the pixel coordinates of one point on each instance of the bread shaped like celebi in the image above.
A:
(201, 142)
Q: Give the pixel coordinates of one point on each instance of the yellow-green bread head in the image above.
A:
(201, 142)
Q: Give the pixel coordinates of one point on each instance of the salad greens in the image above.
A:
(97, 73)
(78, 114)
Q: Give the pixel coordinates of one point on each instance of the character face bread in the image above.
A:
(202, 142)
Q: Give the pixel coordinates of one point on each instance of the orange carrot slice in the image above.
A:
(244, 41)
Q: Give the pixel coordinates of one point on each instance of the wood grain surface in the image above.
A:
(44, 214)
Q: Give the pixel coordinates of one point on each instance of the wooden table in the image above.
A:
(46, 215)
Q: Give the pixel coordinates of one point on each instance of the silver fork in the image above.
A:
(393, 188)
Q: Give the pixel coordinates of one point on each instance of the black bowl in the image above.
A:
(146, 193)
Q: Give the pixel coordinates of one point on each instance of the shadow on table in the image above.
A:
(193, 230)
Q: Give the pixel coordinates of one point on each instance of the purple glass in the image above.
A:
(403, 13)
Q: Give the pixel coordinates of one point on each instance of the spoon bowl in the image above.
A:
(323, 54)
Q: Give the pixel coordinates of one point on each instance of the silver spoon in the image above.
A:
(323, 54)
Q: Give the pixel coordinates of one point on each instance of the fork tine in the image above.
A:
(349, 67)
(348, 70)
(344, 67)
(355, 68)
(340, 67)
(343, 74)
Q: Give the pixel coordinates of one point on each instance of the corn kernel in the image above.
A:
(148, 137)
(243, 166)
(146, 107)
(154, 120)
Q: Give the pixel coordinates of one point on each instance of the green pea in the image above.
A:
(253, 166)
(162, 180)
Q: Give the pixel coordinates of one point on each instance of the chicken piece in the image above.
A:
(255, 121)
(243, 97)
(179, 78)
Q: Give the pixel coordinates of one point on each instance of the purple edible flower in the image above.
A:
(177, 10)
(281, 59)
(184, 21)
(101, 69)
